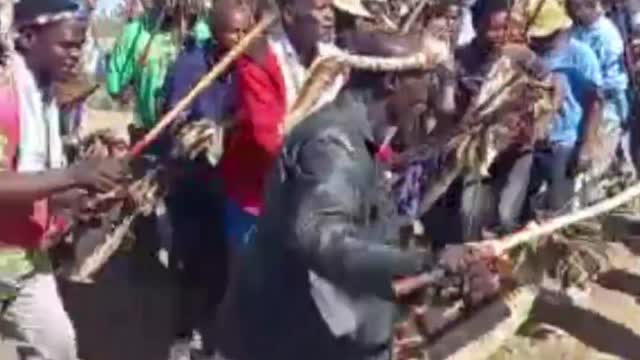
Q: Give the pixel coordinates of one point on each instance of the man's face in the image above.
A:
(583, 12)
(60, 45)
(543, 45)
(493, 29)
(312, 21)
(408, 101)
(232, 27)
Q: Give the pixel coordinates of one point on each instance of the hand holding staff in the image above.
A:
(501, 246)
(215, 72)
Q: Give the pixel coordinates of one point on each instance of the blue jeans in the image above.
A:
(497, 202)
(240, 226)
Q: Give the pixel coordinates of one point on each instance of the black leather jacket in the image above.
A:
(316, 283)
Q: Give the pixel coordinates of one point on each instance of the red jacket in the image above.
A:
(255, 143)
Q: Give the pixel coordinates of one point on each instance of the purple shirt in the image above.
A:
(216, 102)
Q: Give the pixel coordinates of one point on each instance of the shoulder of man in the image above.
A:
(346, 113)
(333, 134)
(581, 53)
(611, 35)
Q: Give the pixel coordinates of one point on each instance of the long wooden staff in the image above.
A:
(415, 14)
(209, 78)
(204, 82)
(528, 235)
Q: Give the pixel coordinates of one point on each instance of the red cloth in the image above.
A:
(22, 225)
(255, 143)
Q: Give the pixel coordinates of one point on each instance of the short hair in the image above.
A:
(482, 9)
(223, 6)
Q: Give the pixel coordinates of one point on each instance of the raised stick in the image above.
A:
(507, 243)
(413, 17)
(215, 72)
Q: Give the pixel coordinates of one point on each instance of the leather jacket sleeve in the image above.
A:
(331, 216)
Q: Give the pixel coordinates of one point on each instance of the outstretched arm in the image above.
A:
(26, 188)
(328, 236)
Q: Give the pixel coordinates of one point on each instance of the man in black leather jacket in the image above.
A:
(317, 281)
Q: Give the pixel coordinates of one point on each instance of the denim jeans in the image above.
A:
(240, 226)
(496, 202)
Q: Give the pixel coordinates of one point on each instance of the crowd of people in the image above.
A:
(289, 247)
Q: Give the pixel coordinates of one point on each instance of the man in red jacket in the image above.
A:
(269, 79)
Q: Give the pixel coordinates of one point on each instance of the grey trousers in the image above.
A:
(38, 320)
(495, 202)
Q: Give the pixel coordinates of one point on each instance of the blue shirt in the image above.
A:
(606, 42)
(217, 102)
(579, 70)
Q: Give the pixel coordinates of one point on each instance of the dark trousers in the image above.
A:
(198, 259)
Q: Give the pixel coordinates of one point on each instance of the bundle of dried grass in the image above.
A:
(99, 229)
(199, 138)
(512, 108)
(337, 62)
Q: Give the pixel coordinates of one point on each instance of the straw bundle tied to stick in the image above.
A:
(337, 62)
(144, 193)
(468, 332)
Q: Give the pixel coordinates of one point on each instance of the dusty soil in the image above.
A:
(603, 325)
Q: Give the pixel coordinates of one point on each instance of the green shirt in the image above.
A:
(127, 66)
(201, 32)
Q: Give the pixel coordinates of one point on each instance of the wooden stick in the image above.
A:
(413, 17)
(84, 271)
(215, 72)
(528, 235)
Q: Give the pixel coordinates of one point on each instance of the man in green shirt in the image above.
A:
(137, 63)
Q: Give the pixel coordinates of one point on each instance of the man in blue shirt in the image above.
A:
(576, 133)
(199, 253)
(593, 28)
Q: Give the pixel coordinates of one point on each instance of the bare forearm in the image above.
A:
(593, 117)
(446, 101)
(30, 187)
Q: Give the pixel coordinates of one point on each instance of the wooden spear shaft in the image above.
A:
(207, 80)
(415, 14)
(505, 244)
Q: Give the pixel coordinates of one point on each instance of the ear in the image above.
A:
(26, 39)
